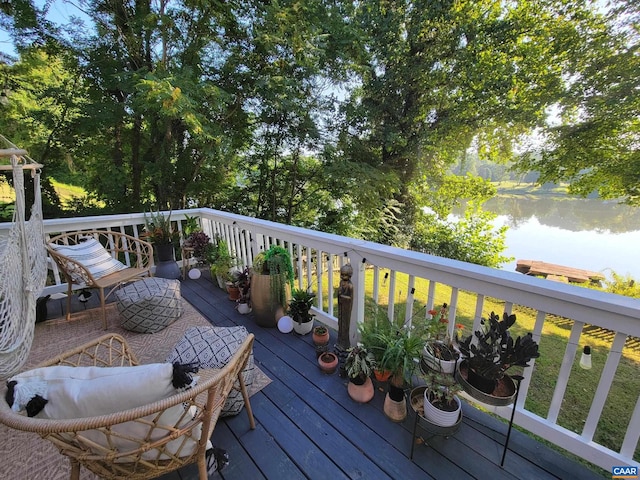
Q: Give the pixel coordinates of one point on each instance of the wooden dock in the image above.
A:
(553, 271)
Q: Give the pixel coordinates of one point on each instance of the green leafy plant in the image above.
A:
(438, 340)
(442, 390)
(374, 335)
(494, 350)
(276, 262)
(191, 226)
(158, 228)
(220, 259)
(320, 330)
(359, 362)
(403, 346)
(300, 305)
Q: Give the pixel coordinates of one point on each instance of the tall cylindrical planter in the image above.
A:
(167, 267)
(265, 313)
(395, 405)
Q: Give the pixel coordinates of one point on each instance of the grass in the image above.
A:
(66, 192)
(582, 384)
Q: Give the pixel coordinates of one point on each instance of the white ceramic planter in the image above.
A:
(444, 366)
(244, 308)
(440, 417)
(302, 328)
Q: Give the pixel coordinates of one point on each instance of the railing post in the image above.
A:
(357, 313)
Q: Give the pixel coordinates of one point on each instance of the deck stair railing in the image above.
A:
(408, 284)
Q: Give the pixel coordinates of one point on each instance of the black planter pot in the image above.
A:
(396, 393)
(167, 267)
(503, 394)
(484, 384)
(358, 380)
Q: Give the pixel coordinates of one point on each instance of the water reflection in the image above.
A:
(567, 213)
(581, 233)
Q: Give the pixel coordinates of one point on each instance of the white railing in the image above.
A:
(395, 274)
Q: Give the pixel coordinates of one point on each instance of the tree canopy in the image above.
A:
(342, 116)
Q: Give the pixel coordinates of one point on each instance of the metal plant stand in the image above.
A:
(416, 400)
(518, 379)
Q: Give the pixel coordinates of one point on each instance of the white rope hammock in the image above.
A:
(23, 266)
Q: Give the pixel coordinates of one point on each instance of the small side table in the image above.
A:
(416, 401)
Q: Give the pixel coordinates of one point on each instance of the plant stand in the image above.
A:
(518, 379)
(416, 400)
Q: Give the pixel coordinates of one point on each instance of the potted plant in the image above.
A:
(220, 262)
(402, 349)
(359, 366)
(488, 354)
(439, 353)
(271, 283)
(233, 283)
(320, 335)
(328, 362)
(300, 310)
(442, 406)
(374, 335)
(200, 243)
(159, 231)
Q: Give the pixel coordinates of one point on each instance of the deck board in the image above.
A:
(308, 427)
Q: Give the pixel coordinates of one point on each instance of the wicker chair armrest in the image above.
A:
(109, 350)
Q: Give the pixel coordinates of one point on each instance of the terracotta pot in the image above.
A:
(382, 375)
(395, 410)
(361, 393)
(233, 291)
(328, 362)
(321, 339)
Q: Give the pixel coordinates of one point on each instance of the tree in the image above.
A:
(434, 78)
(596, 146)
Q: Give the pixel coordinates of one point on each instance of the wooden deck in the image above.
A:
(307, 427)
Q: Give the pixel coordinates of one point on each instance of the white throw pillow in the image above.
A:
(92, 255)
(80, 392)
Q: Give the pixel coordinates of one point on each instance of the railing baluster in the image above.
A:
(565, 370)
(606, 379)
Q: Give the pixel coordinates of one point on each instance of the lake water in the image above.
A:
(582, 233)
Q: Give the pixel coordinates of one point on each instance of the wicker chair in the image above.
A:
(133, 252)
(74, 437)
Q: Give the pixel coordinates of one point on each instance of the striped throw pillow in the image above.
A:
(93, 256)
